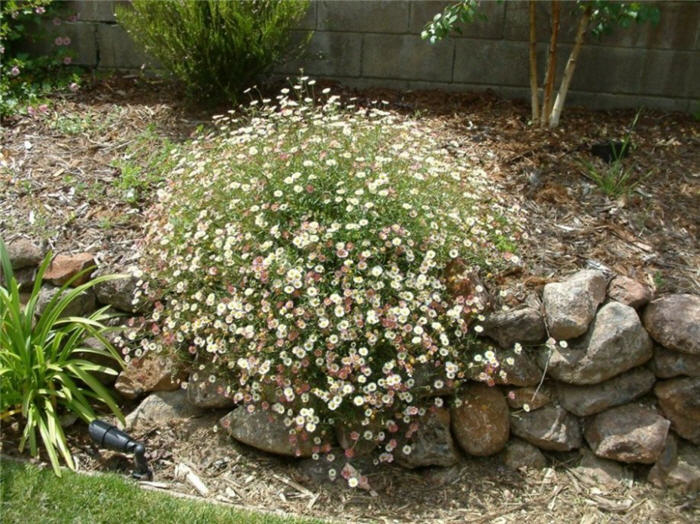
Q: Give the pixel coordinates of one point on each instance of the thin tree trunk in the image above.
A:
(551, 64)
(533, 65)
(570, 67)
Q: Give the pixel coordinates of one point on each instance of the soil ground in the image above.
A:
(74, 177)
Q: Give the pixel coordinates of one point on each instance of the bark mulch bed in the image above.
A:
(74, 177)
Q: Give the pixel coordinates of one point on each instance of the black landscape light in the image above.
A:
(110, 437)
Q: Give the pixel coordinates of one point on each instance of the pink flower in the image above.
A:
(14, 71)
(56, 21)
(66, 40)
(58, 40)
(67, 60)
(74, 87)
(43, 108)
(40, 10)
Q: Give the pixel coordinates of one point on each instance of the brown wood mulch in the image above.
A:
(60, 176)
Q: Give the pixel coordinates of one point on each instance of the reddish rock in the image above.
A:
(522, 372)
(677, 468)
(599, 471)
(629, 292)
(65, 267)
(480, 424)
(551, 428)
(206, 388)
(674, 322)
(160, 409)
(354, 437)
(431, 444)
(679, 399)
(463, 281)
(151, 372)
(628, 433)
(534, 399)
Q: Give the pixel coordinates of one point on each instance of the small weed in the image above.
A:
(615, 179)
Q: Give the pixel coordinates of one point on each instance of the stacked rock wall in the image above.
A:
(605, 367)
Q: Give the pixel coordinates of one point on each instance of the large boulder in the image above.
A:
(65, 267)
(431, 444)
(668, 364)
(161, 409)
(521, 371)
(589, 400)
(151, 372)
(524, 325)
(598, 471)
(679, 399)
(628, 433)
(674, 322)
(207, 388)
(615, 343)
(480, 423)
(266, 431)
(678, 467)
(571, 305)
(629, 292)
(551, 428)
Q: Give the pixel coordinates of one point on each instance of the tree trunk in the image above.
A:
(533, 65)
(570, 66)
(551, 65)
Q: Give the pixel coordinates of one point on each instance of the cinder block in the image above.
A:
(363, 16)
(117, 50)
(613, 101)
(678, 28)
(608, 70)
(406, 57)
(309, 20)
(328, 54)
(666, 72)
(423, 12)
(517, 21)
(82, 36)
(693, 80)
(93, 10)
(495, 62)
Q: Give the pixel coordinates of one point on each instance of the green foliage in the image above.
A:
(215, 48)
(26, 77)
(42, 361)
(305, 251)
(466, 11)
(32, 494)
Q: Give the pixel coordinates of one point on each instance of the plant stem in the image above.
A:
(551, 64)
(533, 64)
(570, 67)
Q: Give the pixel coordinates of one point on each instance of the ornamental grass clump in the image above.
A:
(302, 251)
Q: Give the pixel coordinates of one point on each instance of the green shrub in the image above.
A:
(304, 251)
(42, 365)
(215, 48)
(26, 77)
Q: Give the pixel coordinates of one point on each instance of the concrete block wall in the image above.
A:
(365, 43)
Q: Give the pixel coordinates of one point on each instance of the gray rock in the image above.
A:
(160, 409)
(677, 468)
(529, 396)
(119, 294)
(598, 471)
(629, 292)
(480, 424)
(206, 387)
(83, 305)
(519, 454)
(615, 343)
(674, 322)
(522, 372)
(151, 372)
(628, 433)
(571, 305)
(24, 253)
(551, 428)
(589, 400)
(431, 444)
(679, 399)
(668, 364)
(265, 430)
(524, 325)
(25, 278)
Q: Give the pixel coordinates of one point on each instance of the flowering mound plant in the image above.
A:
(303, 249)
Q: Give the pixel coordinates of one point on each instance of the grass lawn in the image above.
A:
(31, 494)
